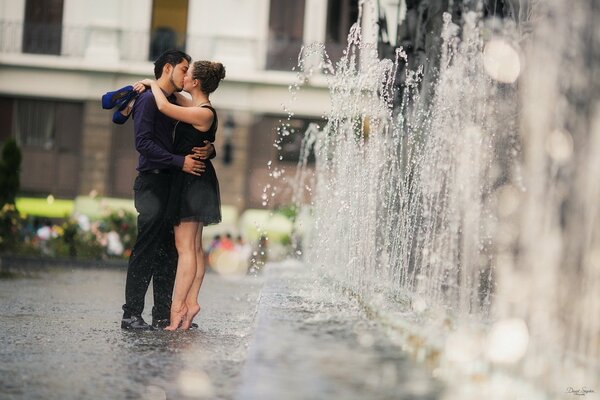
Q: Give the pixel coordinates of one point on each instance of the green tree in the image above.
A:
(10, 166)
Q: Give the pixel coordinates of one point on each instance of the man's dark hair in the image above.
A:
(172, 57)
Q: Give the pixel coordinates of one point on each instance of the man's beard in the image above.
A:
(177, 88)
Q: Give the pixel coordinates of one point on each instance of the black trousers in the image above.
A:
(154, 255)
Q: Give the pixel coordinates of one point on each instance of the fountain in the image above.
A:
(459, 201)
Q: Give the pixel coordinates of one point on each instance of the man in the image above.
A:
(154, 255)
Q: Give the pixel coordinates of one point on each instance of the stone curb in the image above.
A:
(14, 262)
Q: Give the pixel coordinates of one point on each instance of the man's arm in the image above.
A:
(206, 152)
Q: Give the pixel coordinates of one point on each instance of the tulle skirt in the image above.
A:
(195, 198)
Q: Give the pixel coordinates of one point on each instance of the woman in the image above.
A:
(195, 200)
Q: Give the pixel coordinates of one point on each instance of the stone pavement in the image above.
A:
(277, 336)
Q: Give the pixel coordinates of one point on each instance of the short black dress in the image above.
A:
(194, 198)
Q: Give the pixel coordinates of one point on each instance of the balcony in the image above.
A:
(107, 44)
(78, 62)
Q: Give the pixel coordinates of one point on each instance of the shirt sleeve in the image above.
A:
(145, 140)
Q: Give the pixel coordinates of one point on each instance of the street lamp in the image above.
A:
(228, 129)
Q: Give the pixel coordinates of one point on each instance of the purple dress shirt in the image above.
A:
(154, 135)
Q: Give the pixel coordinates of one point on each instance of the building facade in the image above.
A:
(57, 57)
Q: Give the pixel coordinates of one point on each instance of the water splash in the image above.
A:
(478, 204)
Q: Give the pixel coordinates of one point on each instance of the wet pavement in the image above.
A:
(277, 336)
(312, 342)
(60, 338)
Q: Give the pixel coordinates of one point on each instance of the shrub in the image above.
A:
(19, 236)
(10, 165)
(11, 226)
(124, 223)
(73, 242)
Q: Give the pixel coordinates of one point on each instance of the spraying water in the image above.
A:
(472, 213)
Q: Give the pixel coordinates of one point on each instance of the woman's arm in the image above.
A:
(199, 117)
(141, 86)
(182, 100)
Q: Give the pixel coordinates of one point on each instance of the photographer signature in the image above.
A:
(579, 392)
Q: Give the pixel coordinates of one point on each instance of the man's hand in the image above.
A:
(193, 166)
(204, 152)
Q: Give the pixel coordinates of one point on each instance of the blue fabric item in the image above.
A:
(112, 99)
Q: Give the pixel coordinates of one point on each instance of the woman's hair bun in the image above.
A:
(209, 73)
(219, 70)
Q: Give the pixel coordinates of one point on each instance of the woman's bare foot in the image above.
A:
(193, 310)
(178, 315)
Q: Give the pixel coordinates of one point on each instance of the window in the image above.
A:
(6, 117)
(288, 134)
(50, 135)
(34, 123)
(286, 27)
(47, 124)
(267, 130)
(169, 26)
(341, 14)
(291, 138)
(42, 31)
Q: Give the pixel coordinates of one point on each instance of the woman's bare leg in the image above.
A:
(185, 240)
(191, 301)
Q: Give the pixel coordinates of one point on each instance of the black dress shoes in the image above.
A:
(160, 323)
(135, 323)
(163, 323)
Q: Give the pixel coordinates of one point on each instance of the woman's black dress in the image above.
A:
(194, 198)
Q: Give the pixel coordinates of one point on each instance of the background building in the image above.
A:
(57, 57)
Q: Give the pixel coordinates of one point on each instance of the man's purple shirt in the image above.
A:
(154, 135)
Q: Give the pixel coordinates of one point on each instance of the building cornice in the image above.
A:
(78, 79)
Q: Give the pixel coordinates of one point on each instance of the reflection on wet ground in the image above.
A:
(278, 336)
(312, 342)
